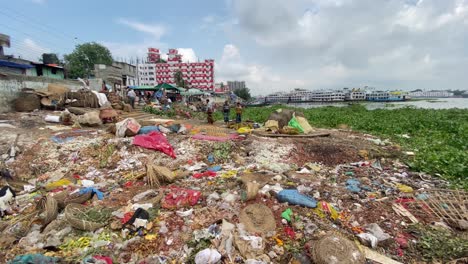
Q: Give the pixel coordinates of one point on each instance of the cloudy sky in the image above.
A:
(271, 44)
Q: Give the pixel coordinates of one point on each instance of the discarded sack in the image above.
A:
(128, 127)
(304, 124)
(258, 218)
(294, 197)
(156, 141)
(89, 119)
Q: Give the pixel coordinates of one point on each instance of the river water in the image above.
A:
(433, 103)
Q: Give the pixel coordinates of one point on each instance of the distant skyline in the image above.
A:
(270, 44)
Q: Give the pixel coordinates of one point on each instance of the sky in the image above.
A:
(273, 45)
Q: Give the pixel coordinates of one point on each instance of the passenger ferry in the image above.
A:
(302, 96)
(383, 96)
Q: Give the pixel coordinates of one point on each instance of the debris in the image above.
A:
(257, 218)
(155, 140)
(293, 197)
(334, 248)
(207, 256)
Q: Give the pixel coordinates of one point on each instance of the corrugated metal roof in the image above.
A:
(15, 65)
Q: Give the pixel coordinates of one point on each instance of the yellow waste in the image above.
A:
(304, 124)
(244, 130)
(57, 184)
(404, 188)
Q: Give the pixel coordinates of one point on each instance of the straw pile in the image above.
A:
(86, 218)
(157, 175)
(334, 248)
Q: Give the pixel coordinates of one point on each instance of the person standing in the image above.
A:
(131, 96)
(238, 113)
(226, 110)
(209, 111)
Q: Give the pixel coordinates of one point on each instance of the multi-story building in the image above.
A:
(147, 74)
(233, 85)
(195, 74)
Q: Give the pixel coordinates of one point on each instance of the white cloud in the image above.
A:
(38, 1)
(259, 78)
(29, 49)
(155, 30)
(188, 54)
(133, 50)
(399, 44)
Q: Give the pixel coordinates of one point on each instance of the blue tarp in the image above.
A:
(10, 64)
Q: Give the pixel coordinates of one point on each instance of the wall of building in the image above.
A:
(47, 72)
(233, 85)
(147, 74)
(11, 85)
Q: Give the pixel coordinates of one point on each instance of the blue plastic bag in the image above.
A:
(294, 197)
(148, 129)
(92, 190)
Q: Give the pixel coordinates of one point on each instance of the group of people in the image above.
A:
(210, 108)
(159, 97)
(226, 111)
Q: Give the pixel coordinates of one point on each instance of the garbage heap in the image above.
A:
(181, 193)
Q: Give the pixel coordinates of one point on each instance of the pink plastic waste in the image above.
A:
(204, 174)
(154, 140)
(179, 198)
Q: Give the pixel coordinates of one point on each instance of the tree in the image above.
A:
(243, 93)
(80, 62)
(179, 79)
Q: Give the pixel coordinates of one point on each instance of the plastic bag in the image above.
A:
(155, 140)
(244, 130)
(294, 197)
(147, 129)
(204, 174)
(179, 198)
(207, 256)
(295, 124)
(57, 184)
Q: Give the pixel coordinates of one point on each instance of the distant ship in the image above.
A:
(382, 96)
(303, 96)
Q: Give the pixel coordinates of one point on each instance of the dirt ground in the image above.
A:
(319, 167)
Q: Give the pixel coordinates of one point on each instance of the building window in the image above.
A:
(54, 70)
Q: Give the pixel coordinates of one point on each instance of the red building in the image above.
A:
(195, 74)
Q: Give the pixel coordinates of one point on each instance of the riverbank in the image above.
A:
(439, 138)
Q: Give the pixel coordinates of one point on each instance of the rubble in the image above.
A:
(186, 192)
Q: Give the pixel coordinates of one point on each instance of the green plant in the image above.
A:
(438, 244)
(438, 137)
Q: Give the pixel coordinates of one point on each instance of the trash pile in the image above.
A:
(176, 192)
